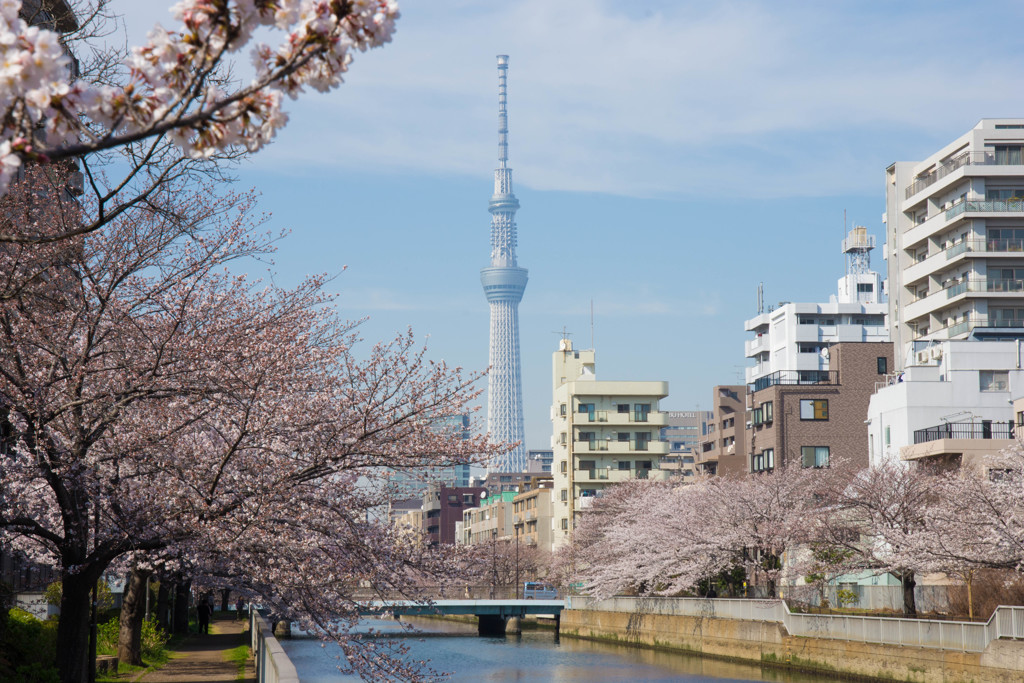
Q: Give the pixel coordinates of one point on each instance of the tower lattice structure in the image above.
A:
(504, 283)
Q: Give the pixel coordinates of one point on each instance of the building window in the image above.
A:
(565, 524)
(622, 436)
(623, 407)
(642, 439)
(764, 461)
(624, 465)
(865, 287)
(758, 416)
(887, 439)
(806, 320)
(1020, 418)
(994, 380)
(561, 438)
(565, 495)
(813, 409)
(882, 365)
(768, 410)
(563, 466)
(587, 408)
(561, 409)
(588, 437)
(814, 456)
(640, 411)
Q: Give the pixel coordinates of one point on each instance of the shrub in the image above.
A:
(29, 649)
(154, 639)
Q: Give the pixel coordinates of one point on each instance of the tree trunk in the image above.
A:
(225, 597)
(909, 602)
(73, 628)
(181, 595)
(970, 598)
(163, 608)
(133, 608)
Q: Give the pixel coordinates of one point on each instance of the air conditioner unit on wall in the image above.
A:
(935, 353)
(922, 357)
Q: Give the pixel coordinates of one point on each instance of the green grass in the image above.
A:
(240, 656)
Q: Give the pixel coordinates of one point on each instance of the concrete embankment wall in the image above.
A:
(769, 643)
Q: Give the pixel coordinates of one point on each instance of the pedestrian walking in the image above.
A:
(204, 611)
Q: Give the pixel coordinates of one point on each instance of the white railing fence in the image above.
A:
(272, 664)
(1005, 622)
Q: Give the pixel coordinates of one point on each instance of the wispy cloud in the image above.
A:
(657, 98)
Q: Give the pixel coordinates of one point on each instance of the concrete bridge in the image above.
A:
(494, 617)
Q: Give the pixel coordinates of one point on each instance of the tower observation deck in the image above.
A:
(504, 283)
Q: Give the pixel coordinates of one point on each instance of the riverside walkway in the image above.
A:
(205, 658)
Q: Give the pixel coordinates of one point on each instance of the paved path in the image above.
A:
(202, 659)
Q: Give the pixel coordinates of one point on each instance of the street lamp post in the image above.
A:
(494, 562)
(517, 563)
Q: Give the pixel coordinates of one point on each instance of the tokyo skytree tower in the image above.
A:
(504, 283)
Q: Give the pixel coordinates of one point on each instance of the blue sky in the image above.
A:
(668, 156)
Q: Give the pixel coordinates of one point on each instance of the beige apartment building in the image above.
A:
(723, 449)
(603, 433)
(532, 515)
(492, 521)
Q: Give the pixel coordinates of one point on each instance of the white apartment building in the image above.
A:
(956, 390)
(790, 342)
(955, 239)
(603, 433)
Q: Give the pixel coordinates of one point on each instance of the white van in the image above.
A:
(536, 590)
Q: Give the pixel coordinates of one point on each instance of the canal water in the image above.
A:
(535, 656)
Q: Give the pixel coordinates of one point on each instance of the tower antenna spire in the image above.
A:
(502, 111)
(504, 283)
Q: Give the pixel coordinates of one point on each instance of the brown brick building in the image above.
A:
(813, 417)
(724, 448)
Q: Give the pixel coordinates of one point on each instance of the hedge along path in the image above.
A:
(205, 658)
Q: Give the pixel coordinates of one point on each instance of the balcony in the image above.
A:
(786, 377)
(984, 429)
(608, 445)
(654, 418)
(938, 260)
(985, 206)
(756, 344)
(609, 475)
(983, 158)
(985, 286)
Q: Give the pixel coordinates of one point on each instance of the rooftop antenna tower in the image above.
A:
(857, 247)
(504, 283)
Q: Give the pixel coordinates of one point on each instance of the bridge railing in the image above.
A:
(272, 664)
(1005, 622)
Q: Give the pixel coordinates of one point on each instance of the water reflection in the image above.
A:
(534, 656)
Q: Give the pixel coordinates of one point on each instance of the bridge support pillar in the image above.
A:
(513, 626)
(490, 625)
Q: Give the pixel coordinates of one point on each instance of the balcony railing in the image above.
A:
(985, 429)
(982, 158)
(614, 417)
(985, 205)
(986, 285)
(610, 475)
(797, 377)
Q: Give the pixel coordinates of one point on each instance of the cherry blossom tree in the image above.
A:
(665, 537)
(874, 514)
(173, 101)
(972, 522)
(155, 405)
